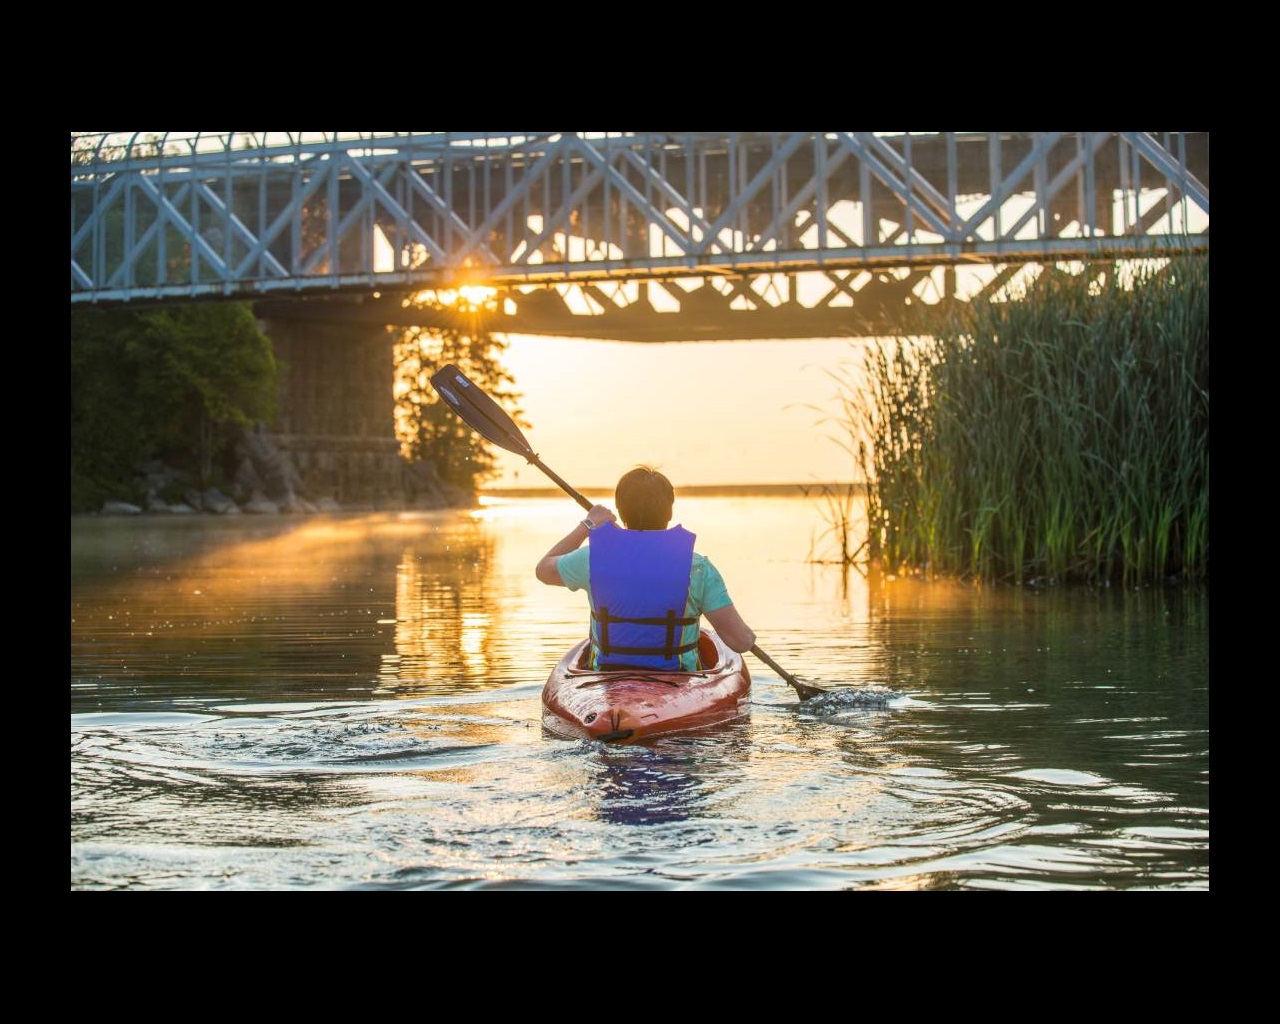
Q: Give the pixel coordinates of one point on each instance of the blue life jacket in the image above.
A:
(639, 590)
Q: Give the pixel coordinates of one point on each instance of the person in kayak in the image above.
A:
(647, 588)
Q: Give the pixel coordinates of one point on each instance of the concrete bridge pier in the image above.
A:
(336, 418)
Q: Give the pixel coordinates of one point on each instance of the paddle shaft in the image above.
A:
(584, 502)
(490, 420)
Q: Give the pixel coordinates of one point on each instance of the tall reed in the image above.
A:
(1062, 436)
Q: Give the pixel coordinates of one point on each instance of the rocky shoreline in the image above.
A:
(214, 502)
(267, 482)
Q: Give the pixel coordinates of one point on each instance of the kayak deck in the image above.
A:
(624, 705)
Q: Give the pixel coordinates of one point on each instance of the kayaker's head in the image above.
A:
(644, 498)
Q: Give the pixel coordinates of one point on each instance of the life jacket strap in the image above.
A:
(674, 628)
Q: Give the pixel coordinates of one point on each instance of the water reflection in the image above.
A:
(381, 605)
(668, 779)
(445, 611)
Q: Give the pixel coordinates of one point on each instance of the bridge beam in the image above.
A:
(881, 307)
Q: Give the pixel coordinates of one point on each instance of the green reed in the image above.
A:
(839, 507)
(1059, 437)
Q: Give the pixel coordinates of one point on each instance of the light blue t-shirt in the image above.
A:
(707, 591)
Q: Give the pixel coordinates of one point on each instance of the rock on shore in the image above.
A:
(267, 483)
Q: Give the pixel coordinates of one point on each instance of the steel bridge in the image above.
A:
(654, 236)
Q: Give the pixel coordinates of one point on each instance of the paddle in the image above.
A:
(490, 420)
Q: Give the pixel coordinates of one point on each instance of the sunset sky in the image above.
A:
(724, 412)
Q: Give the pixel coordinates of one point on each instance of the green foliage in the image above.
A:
(1062, 437)
(171, 383)
(428, 428)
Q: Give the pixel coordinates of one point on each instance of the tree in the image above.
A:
(173, 383)
(429, 430)
(107, 433)
(214, 373)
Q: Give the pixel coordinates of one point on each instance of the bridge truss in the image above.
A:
(628, 235)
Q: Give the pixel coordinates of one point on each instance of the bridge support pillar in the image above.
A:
(336, 418)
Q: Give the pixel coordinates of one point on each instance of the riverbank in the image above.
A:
(214, 502)
(709, 491)
(268, 481)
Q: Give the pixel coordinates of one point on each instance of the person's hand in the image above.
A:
(598, 516)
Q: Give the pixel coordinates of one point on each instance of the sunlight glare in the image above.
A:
(384, 254)
(661, 299)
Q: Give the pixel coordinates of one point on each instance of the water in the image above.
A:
(353, 703)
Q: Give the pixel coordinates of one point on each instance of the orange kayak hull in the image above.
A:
(623, 706)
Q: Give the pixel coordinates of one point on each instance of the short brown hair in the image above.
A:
(644, 498)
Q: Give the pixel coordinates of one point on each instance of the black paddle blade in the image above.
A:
(804, 690)
(481, 412)
(489, 420)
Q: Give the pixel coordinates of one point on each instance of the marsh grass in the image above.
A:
(1059, 438)
(839, 506)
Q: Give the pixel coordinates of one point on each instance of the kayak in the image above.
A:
(624, 705)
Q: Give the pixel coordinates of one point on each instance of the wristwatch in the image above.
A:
(588, 524)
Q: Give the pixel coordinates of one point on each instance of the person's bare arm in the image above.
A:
(732, 629)
(546, 570)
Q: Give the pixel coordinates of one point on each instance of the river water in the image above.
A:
(353, 703)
